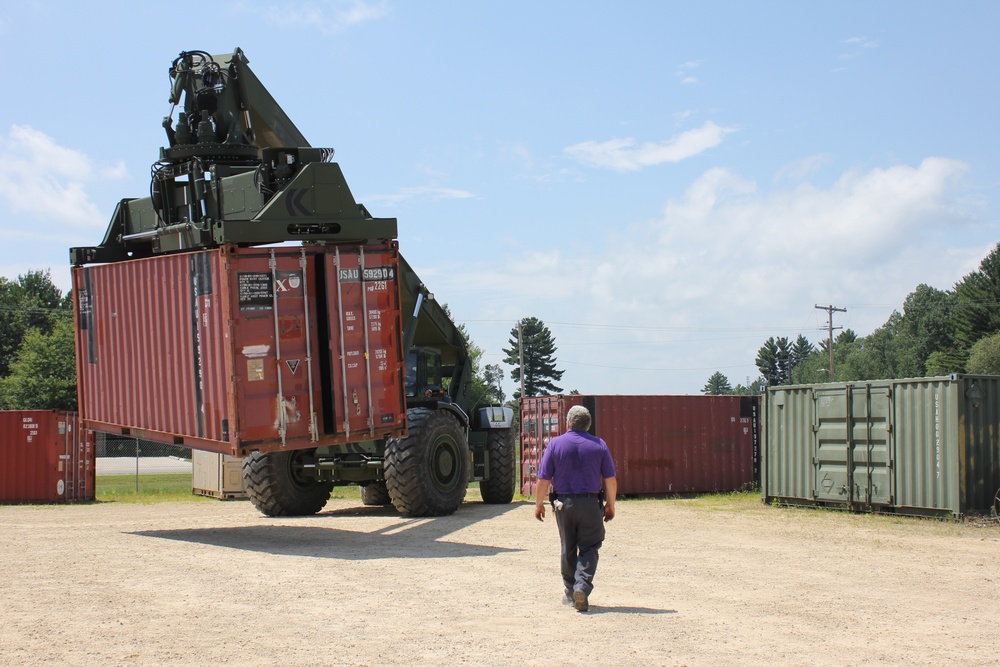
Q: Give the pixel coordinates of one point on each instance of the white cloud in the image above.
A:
(625, 155)
(684, 74)
(856, 46)
(730, 264)
(40, 178)
(327, 16)
(802, 169)
(430, 192)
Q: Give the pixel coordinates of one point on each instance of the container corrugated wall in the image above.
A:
(238, 349)
(660, 444)
(915, 446)
(143, 345)
(45, 457)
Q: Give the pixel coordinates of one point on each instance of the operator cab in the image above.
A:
(423, 376)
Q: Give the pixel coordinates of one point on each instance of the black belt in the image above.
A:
(577, 495)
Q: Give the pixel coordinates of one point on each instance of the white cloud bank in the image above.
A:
(426, 192)
(728, 263)
(46, 181)
(625, 155)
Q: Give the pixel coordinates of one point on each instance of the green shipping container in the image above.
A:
(924, 446)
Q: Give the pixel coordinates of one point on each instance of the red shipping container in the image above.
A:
(238, 349)
(660, 444)
(46, 457)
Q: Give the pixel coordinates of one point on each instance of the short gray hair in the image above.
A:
(578, 418)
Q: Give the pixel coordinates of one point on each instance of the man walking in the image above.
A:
(577, 466)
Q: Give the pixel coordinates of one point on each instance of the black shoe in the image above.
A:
(567, 598)
(580, 600)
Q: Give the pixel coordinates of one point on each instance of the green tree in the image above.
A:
(753, 388)
(883, 354)
(801, 350)
(774, 361)
(717, 385)
(984, 357)
(493, 379)
(30, 302)
(926, 326)
(539, 347)
(946, 362)
(814, 369)
(485, 388)
(977, 302)
(43, 373)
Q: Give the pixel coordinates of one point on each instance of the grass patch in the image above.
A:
(170, 487)
(146, 489)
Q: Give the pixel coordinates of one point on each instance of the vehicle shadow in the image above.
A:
(400, 537)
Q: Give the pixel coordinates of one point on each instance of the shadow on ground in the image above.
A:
(400, 537)
(628, 610)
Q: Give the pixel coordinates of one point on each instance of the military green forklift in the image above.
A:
(237, 173)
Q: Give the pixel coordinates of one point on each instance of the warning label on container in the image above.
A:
(254, 292)
(255, 370)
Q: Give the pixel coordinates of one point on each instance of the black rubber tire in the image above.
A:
(375, 493)
(427, 473)
(499, 488)
(276, 486)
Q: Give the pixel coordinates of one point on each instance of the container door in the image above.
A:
(273, 333)
(541, 420)
(831, 453)
(853, 453)
(365, 345)
(870, 445)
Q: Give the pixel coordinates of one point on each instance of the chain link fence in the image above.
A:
(124, 455)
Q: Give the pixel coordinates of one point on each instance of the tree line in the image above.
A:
(938, 332)
(37, 357)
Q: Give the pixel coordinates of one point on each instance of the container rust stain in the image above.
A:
(660, 444)
(239, 349)
(46, 457)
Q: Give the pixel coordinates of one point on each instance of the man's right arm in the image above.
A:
(541, 493)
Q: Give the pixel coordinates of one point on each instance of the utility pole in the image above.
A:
(830, 310)
(520, 353)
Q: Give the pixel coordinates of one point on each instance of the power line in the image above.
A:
(830, 310)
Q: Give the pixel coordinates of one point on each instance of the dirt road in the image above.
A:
(680, 583)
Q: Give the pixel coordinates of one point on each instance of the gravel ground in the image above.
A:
(680, 582)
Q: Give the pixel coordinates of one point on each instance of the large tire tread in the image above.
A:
(375, 493)
(499, 488)
(410, 477)
(273, 490)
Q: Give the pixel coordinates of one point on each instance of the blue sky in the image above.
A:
(664, 184)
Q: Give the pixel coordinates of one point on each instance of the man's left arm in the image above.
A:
(610, 491)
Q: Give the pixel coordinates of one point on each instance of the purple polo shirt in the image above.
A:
(577, 462)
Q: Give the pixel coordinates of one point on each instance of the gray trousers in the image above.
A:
(581, 533)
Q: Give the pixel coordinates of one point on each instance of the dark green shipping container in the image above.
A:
(924, 446)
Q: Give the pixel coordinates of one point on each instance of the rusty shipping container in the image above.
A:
(238, 349)
(46, 457)
(660, 444)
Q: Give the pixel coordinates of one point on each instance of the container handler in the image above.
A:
(369, 380)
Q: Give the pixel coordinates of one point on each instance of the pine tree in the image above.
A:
(774, 361)
(717, 385)
(978, 301)
(539, 348)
